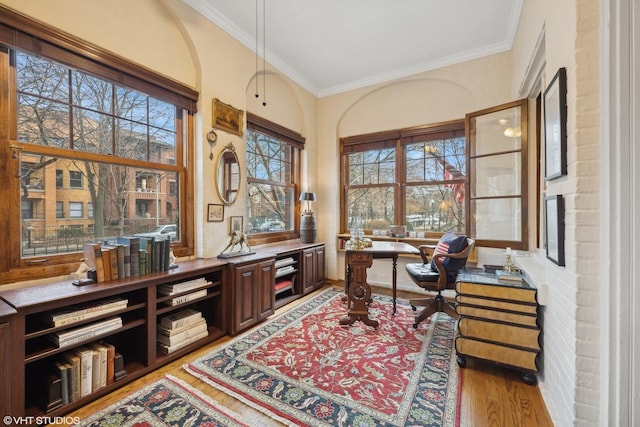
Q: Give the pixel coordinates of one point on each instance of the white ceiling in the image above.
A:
(330, 46)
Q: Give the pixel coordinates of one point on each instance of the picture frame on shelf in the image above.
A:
(555, 126)
(215, 212)
(554, 228)
(236, 224)
(227, 117)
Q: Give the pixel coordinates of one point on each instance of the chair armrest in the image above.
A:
(423, 252)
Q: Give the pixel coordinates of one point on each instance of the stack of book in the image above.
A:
(181, 329)
(80, 313)
(77, 335)
(510, 277)
(181, 288)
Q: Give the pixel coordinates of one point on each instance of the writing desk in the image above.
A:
(357, 289)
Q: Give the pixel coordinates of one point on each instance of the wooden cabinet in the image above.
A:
(313, 269)
(7, 314)
(252, 292)
(498, 322)
(37, 344)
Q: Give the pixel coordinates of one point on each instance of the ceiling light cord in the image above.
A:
(264, 54)
(256, 77)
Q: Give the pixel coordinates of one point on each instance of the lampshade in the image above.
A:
(307, 196)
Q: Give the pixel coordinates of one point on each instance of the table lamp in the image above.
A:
(308, 219)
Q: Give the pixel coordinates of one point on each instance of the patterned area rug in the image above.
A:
(166, 402)
(304, 369)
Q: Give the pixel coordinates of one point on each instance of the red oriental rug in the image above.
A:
(167, 402)
(303, 368)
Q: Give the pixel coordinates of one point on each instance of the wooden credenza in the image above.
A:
(498, 322)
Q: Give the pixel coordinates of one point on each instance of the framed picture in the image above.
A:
(235, 224)
(554, 228)
(215, 213)
(227, 118)
(555, 126)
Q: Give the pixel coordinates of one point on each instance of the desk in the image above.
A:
(357, 289)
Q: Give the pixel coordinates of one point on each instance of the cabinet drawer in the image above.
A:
(504, 292)
(500, 333)
(497, 315)
(531, 309)
(515, 357)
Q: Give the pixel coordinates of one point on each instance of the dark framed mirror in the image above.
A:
(227, 175)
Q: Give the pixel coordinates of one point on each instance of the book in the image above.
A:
(177, 288)
(74, 336)
(111, 354)
(113, 260)
(74, 360)
(101, 364)
(181, 318)
(53, 396)
(77, 314)
(146, 245)
(166, 349)
(185, 334)
(134, 249)
(106, 263)
(86, 370)
(63, 373)
(93, 259)
(187, 297)
(142, 256)
(509, 277)
(156, 263)
(120, 251)
(284, 262)
(95, 371)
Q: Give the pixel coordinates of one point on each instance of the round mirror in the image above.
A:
(228, 174)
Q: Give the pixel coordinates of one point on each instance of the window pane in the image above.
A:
(497, 219)
(435, 208)
(269, 208)
(373, 206)
(498, 131)
(43, 122)
(130, 200)
(43, 78)
(497, 175)
(91, 93)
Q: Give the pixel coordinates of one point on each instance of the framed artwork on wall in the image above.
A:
(215, 213)
(555, 126)
(235, 224)
(554, 228)
(227, 118)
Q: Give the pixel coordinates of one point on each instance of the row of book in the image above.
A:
(195, 285)
(127, 256)
(180, 329)
(83, 371)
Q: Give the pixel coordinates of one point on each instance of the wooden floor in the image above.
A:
(491, 396)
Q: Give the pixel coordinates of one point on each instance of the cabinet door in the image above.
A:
(265, 289)
(308, 270)
(245, 302)
(319, 267)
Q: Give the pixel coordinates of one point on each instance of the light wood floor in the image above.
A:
(491, 396)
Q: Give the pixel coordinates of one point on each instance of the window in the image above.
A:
(75, 210)
(75, 179)
(498, 190)
(101, 121)
(415, 177)
(59, 209)
(273, 156)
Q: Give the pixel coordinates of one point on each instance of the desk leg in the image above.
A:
(359, 292)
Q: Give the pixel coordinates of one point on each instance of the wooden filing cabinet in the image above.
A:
(498, 322)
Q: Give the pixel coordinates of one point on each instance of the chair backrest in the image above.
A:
(449, 275)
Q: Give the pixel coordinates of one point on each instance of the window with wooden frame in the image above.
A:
(414, 177)
(97, 133)
(273, 180)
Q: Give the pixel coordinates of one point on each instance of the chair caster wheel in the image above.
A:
(529, 378)
(413, 307)
(462, 361)
(415, 326)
